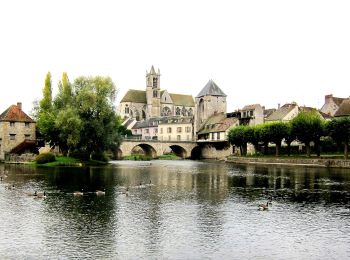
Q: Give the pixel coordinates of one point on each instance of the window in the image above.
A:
(178, 137)
(251, 113)
(26, 124)
(190, 112)
(12, 124)
(12, 136)
(178, 111)
(155, 93)
(26, 137)
(161, 130)
(169, 130)
(127, 109)
(155, 81)
(212, 136)
(218, 136)
(179, 129)
(147, 131)
(188, 129)
(156, 130)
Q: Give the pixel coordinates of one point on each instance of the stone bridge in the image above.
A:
(184, 149)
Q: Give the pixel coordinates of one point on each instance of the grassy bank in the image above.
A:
(70, 161)
(169, 156)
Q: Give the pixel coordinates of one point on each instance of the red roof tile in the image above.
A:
(15, 114)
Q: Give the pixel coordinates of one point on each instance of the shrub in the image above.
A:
(45, 158)
(99, 157)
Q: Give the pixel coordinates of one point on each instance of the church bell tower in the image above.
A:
(153, 93)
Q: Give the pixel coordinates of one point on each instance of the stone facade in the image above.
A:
(253, 114)
(16, 127)
(176, 129)
(331, 104)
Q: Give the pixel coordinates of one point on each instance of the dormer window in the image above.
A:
(127, 109)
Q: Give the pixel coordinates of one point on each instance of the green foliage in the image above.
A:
(307, 127)
(45, 158)
(240, 136)
(99, 157)
(82, 116)
(339, 130)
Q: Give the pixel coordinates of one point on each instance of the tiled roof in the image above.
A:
(280, 113)
(211, 89)
(136, 96)
(217, 123)
(151, 122)
(182, 100)
(338, 101)
(250, 107)
(344, 109)
(176, 120)
(268, 112)
(15, 114)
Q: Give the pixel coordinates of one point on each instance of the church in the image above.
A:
(154, 102)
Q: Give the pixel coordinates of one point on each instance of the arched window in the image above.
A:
(184, 111)
(166, 111)
(143, 114)
(190, 112)
(137, 115)
(127, 110)
(155, 81)
(155, 94)
(178, 111)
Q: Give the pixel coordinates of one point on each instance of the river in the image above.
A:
(182, 210)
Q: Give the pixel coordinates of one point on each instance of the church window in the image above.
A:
(184, 111)
(190, 112)
(127, 110)
(166, 111)
(143, 114)
(137, 115)
(178, 111)
(155, 81)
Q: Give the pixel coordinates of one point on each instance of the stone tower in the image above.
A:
(211, 100)
(153, 93)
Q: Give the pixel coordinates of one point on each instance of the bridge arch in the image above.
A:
(179, 151)
(196, 153)
(147, 149)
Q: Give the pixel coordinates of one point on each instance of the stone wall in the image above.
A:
(16, 158)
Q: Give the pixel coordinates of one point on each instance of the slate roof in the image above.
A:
(344, 109)
(250, 107)
(338, 100)
(151, 122)
(211, 89)
(135, 96)
(182, 100)
(217, 123)
(268, 112)
(15, 114)
(139, 96)
(280, 113)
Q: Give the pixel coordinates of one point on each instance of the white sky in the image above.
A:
(265, 52)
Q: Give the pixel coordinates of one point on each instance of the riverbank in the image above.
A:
(306, 162)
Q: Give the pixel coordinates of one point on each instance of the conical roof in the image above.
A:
(211, 89)
(152, 70)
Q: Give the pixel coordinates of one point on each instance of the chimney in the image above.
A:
(327, 98)
(19, 105)
(279, 106)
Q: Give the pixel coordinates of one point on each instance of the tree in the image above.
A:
(289, 136)
(308, 126)
(339, 130)
(240, 136)
(263, 135)
(64, 96)
(277, 132)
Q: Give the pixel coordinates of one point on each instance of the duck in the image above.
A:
(126, 192)
(78, 193)
(264, 206)
(40, 195)
(99, 192)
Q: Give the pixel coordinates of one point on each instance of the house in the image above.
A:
(344, 109)
(252, 115)
(176, 129)
(284, 113)
(17, 131)
(146, 129)
(331, 104)
(216, 127)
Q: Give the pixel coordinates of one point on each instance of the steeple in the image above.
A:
(211, 89)
(153, 92)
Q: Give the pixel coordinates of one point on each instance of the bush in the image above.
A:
(99, 157)
(45, 158)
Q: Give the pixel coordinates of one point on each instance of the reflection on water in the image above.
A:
(182, 209)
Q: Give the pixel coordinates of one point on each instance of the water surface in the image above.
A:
(181, 210)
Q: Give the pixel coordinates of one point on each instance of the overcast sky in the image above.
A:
(265, 52)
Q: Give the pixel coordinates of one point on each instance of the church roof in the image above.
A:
(135, 96)
(182, 100)
(14, 113)
(139, 96)
(211, 89)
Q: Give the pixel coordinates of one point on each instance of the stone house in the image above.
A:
(176, 129)
(146, 129)
(252, 115)
(216, 128)
(331, 104)
(285, 113)
(17, 131)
